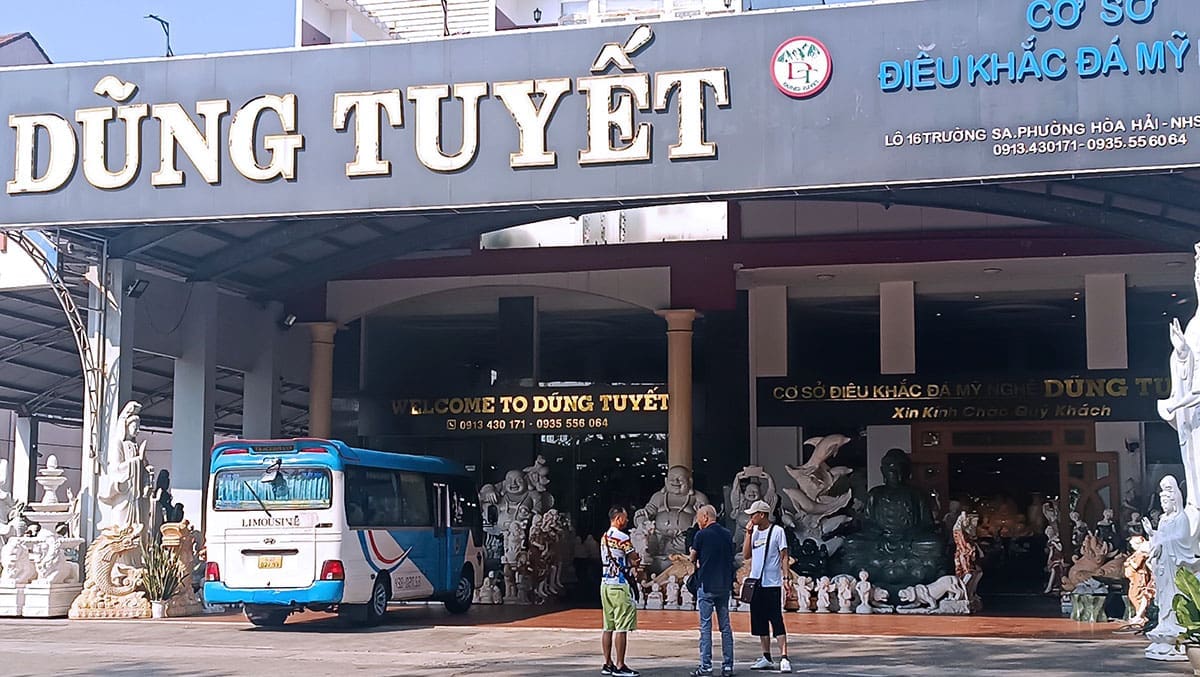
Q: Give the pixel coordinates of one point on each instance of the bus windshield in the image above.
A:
(287, 489)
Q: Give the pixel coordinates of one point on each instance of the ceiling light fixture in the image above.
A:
(825, 277)
(1174, 264)
(993, 270)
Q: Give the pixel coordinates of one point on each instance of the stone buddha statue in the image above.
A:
(898, 544)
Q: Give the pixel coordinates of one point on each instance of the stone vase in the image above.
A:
(1193, 654)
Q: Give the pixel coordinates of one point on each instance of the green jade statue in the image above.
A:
(898, 544)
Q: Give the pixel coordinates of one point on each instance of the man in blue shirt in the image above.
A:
(712, 550)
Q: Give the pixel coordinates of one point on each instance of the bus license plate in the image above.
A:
(270, 562)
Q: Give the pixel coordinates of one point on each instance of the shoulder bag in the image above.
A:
(750, 584)
(634, 590)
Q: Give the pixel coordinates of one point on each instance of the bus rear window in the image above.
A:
(287, 489)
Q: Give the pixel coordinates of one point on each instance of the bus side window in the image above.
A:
(414, 500)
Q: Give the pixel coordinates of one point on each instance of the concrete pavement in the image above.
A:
(178, 648)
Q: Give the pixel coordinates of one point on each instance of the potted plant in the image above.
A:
(161, 577)
(1187, 614)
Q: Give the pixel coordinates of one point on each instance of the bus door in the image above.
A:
(444, 540)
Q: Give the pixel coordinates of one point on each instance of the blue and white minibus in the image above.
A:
(316, 524)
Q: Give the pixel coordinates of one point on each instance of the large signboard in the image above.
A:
(1095, 395)
(534, 411)
(892, 94)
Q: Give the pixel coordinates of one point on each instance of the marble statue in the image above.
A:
(1134, 529)
(1055, 562)
(1095, 559)
(687, 601)
(673, 511)
(1079, 531)
(179, 538)
(1172, 545)
(824, 588)
(642, 534)
(953, 509)
(1106, 530)
(863, 588)
(511, 498)
(113, 561)
(7, 506)
(815, 505)
(672, 598)
(967, 555)
(804, 593)
(53, 566)
(897, 544)
(537, 476)
(845, 594)
(932, 597)
(654, 600)
(1141, 582)
(16, 564)
(1132, 503)
(489, 592)
(124, 487)
(750, 484)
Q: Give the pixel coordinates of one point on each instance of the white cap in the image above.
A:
(759, 506)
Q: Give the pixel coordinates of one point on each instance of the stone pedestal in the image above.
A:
(50, 601)
(12, 600)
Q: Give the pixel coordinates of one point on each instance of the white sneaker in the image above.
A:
(762, 664)
(785, 665)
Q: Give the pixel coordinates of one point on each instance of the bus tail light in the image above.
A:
(212, 572)
(332, 570)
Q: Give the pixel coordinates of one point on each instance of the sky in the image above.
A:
(94, 30)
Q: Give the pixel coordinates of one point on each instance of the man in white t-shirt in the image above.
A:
(765, 545)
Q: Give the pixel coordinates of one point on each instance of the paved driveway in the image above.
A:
(179, 647)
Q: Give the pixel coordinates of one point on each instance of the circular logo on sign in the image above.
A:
(801, 67)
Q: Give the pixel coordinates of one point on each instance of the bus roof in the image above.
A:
(332, 453)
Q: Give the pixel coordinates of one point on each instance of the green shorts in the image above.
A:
(620, 614)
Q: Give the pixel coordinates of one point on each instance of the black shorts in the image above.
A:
(766, 612)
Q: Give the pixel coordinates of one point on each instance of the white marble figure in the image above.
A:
(673, 511)
(538, 478)
(687, 599)
(124, 486)
(642, 535)
(815, 507)
(514, 541)
(928, 597)
(7, 505)
(53, 566)
(18, 566)
(824, 588)
(803, 589)
(672, 599)
(1172, 545)
(751, 484)
(654, 601)
(845, 594)
(511, 498)
(863, 588)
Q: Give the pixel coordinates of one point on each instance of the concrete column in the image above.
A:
(25, 460)
(194, 400)
(768, 320)
(1107, 335)
(679, 385)
(320, 382)
(110, 326)
(261, 418)
(897, 328)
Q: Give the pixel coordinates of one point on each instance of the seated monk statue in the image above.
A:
(898, 544)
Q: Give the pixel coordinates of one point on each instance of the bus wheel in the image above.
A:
(464, 593)
(266, 617)
(378, 604)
